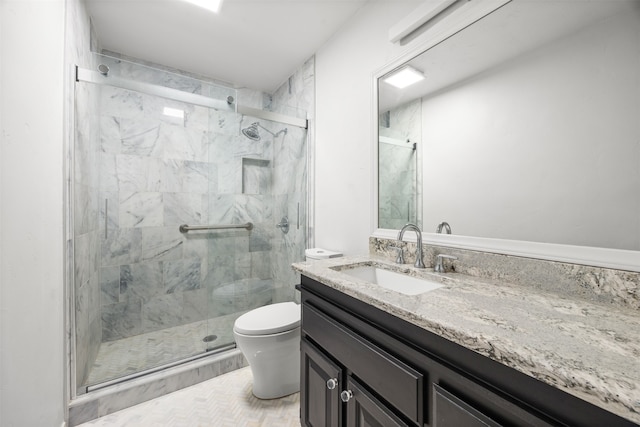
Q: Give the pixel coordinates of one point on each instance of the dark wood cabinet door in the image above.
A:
(320, 406)
(364, 410)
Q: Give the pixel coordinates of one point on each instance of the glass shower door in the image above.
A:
(141, 170)
(261, 170)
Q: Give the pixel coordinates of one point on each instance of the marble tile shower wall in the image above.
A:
(399, 185)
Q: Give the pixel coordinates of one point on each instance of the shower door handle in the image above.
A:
(106, 218)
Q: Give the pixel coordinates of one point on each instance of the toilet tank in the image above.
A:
(319, 253)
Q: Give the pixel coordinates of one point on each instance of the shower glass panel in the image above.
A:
(147, 295)
(262, 178)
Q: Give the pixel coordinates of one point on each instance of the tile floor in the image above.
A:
(224, 401)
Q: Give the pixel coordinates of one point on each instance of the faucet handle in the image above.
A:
(400, 257)
(439, 268)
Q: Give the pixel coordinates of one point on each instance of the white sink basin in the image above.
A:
(398, 282)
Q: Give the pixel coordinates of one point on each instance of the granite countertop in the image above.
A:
(589, 350)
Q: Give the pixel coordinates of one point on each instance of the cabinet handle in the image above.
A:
(346, 395)
(332, 383)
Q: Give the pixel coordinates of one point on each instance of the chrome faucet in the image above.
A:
(419, 263)
(447, 227)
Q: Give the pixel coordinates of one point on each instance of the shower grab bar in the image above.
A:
(185, 228)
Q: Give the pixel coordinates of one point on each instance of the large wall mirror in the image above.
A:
(526, 127)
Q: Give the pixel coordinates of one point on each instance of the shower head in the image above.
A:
(252, 132)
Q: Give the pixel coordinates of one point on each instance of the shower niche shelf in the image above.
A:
(256, 176)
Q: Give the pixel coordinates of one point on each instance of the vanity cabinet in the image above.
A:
(361, 366)
(342, 366)
(323, 396)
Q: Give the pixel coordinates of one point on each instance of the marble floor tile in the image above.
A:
(224, 401)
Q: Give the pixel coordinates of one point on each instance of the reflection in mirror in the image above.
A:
(398, 154)
(528, 126)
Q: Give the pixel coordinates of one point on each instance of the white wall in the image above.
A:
(344, 120)
(31, 220)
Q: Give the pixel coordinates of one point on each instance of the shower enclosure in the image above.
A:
(190, 204)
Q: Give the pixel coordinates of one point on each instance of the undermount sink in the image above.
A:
(398, 282)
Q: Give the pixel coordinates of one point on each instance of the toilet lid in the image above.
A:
(270, 319)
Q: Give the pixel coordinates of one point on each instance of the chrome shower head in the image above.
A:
(252, 132)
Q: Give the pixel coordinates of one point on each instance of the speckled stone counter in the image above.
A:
(589, 350)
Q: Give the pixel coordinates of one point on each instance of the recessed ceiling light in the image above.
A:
(212, 5)
(404, 77)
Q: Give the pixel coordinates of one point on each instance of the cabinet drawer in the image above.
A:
(364, 410)
(450, 411)
(457, 398)
(392, 379)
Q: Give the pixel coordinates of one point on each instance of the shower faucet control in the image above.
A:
(284, 224)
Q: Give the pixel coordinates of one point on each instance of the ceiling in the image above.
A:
(256, 44)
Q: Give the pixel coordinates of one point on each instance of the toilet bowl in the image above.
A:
(269, 338)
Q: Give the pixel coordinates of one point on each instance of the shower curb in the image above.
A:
(120, 396)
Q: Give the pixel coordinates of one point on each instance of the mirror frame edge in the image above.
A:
(617, 259)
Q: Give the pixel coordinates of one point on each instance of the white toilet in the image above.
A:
(269, 338)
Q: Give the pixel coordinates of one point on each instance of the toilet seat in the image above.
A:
(268, 320)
